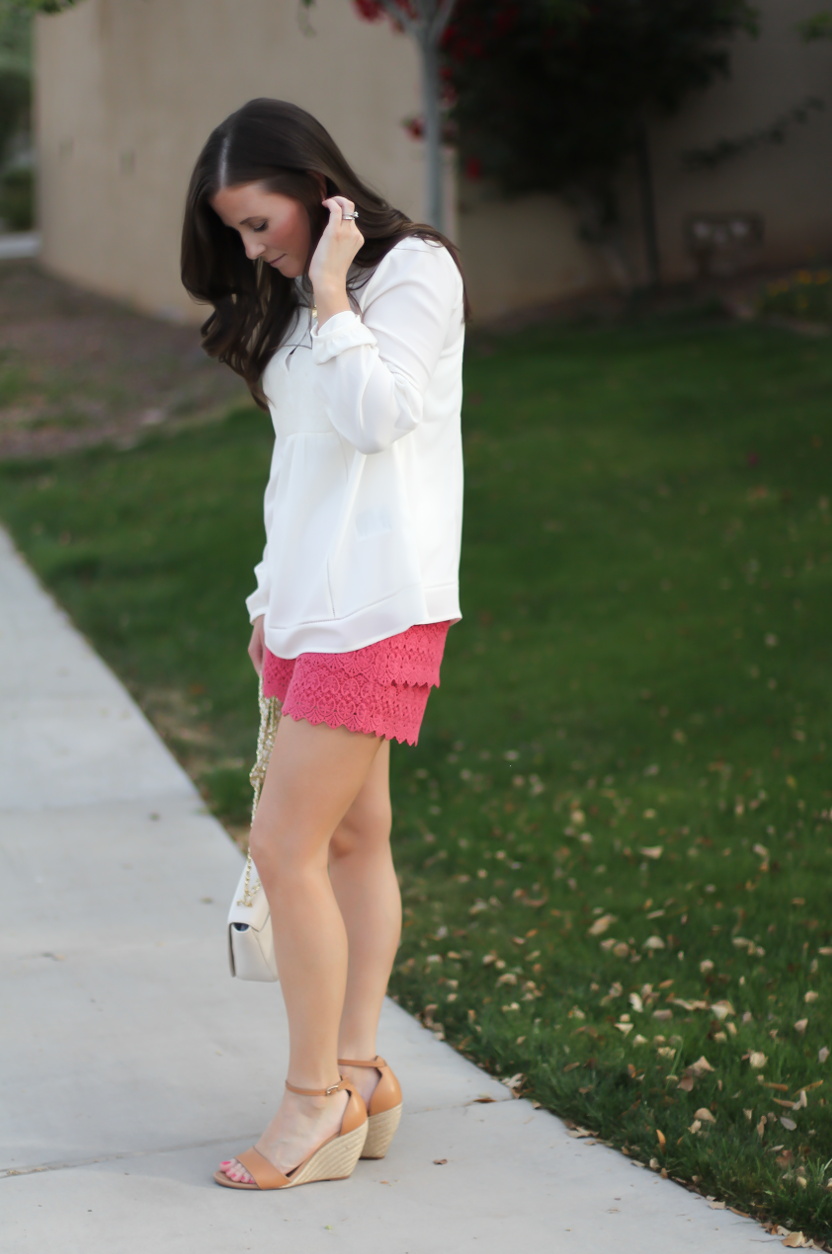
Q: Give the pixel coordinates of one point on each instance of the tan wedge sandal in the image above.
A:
(334, 1160)
(385, 1108)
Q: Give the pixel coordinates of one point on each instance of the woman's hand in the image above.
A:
(257, 644)
(332, 259)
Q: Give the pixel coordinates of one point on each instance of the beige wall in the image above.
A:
(791, 185)
(528, 251)
(127, 91)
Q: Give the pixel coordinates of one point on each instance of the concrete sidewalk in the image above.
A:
(132, 1063)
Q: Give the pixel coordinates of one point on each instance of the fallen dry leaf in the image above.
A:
(662, 1015)
(660, 1137)
(636, 1003)
(823, 1054)
(686, 1084)
(652, 851)
(761, 1127)
(665, 1051)
(700, 1067)
(440, 1162)
(760, 851)
(624, 1027)
(601, 925)
(695, 1126)
(811, 996)
(785, 1159)
(757, 1060)
(653, 942)
(570, 1066)
(788, 1124)
(484, 1098)
(722, 1009)
(706, 966)
(705, 1115)
(639, 1040)
(801, 1026)
(717, 1205)
(795, 1241)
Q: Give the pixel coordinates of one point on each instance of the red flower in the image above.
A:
(370, 10)
(415, 127)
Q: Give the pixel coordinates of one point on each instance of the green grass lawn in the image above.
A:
(614, 837)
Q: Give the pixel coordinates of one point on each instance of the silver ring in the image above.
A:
(349, 217)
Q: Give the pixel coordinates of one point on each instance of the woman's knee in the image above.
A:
(363, 830)
(280, 856)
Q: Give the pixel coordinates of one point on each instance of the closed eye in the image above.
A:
(262, 227)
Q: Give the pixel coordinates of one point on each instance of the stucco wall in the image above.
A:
(789, 184)
(127, 91)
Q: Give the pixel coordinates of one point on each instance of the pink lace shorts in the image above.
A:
(382, 689)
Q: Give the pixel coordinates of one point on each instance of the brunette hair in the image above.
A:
(285, 149)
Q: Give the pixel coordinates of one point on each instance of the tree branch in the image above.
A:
(441, 19)
(394, 10)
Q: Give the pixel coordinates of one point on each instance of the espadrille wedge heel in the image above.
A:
(385, 1109)
(334, 1160)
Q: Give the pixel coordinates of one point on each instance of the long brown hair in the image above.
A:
(285, 149)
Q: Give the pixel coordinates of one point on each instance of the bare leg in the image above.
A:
(314, 776)
(365, 885)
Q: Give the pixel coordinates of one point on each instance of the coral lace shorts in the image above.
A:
(382, 689)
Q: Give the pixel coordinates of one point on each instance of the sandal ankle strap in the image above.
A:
(333, 1088)
(377, 1062)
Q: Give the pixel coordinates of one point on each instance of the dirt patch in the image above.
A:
(77, 369)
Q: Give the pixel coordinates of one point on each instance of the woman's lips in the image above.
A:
(275, 261)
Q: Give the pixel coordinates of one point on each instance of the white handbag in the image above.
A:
(250, 938)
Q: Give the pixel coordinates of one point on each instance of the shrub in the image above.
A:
(806, 295)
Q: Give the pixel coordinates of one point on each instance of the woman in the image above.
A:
(347, 322)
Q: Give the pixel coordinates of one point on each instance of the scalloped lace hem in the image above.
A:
(381, 690)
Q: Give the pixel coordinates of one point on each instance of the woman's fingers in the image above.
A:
(256, 647)
(338, 206)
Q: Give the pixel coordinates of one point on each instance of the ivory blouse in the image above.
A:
(363, 507)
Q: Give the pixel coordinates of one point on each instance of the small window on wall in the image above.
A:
(724, 243)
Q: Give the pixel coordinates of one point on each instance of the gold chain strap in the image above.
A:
(270, 709)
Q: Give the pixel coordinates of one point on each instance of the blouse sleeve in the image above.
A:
(375, 369)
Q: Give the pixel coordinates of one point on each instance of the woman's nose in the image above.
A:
(254, 249)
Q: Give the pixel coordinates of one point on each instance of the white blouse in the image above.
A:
(363, 506)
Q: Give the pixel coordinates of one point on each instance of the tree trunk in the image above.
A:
(648, 205)
(434, 206)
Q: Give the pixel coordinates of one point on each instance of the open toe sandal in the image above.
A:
(385, 1109)
(334, 1160)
